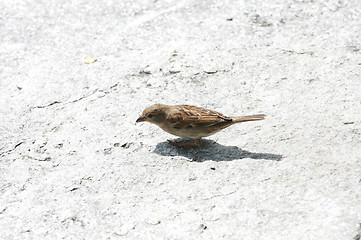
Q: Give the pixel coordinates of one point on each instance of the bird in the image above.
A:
(187, 121)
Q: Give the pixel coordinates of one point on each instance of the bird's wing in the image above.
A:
(187, 116)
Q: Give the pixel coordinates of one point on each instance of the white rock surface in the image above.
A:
(73, 164)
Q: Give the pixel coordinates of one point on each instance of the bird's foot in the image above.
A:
(197, 142)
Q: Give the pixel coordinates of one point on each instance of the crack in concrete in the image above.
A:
(10, 150)
(3, 210)
(358, 236)
(73, 101)
(45, 159)
(220, 195)
(84, 96)
(48, 105)
(79, 99)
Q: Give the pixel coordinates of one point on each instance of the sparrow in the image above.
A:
(187, 121)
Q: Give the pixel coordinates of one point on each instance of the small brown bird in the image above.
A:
(188, 121)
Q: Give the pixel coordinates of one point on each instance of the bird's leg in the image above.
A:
(197, 142)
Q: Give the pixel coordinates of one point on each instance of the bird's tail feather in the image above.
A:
(248, 118)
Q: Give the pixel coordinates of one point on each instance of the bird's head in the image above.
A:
(155, 114)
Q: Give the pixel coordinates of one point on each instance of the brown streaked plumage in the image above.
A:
(189, 121)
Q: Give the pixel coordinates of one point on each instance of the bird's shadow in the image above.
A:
(211, 150)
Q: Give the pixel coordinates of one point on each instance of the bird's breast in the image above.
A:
(189, 132)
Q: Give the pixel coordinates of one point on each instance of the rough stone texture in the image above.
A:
(74, 165)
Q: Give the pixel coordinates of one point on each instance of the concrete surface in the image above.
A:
(75, 75)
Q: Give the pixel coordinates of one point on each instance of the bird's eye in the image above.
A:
(150, 115)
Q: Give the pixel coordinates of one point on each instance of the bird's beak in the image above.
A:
(140, 119)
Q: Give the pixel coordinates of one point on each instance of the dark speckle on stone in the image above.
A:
(125, 145)
(108, 151)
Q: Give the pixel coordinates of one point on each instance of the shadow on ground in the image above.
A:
(211, 150)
